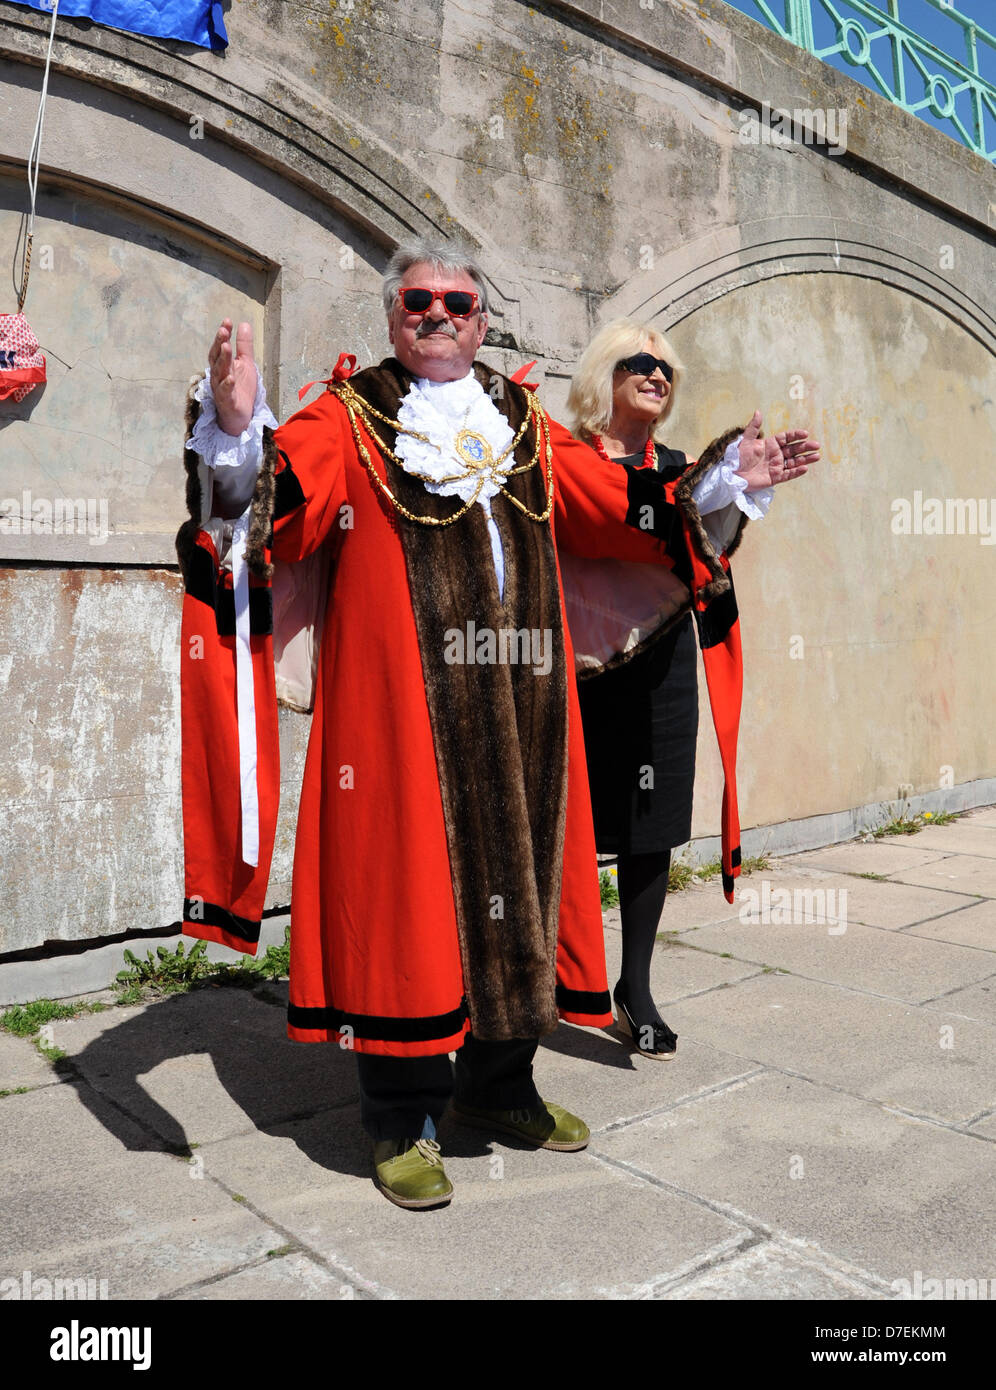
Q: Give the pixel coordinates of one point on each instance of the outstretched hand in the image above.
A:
(233, 376)
(777, 459)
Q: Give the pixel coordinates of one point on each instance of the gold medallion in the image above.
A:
(474, 450)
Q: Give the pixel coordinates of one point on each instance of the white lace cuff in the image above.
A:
(721, 486)
(221, 450)
(233, 460)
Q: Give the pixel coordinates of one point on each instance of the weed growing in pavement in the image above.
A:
(900, 822)
(31, 1020)
(174, 972)
(682, 874)
(25, 1020)
(166, 972)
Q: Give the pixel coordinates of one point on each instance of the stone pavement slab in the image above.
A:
(693, 906)
(968, 926)
(875, 904)
(284, 1278)
(977, 1002)
(985, 1127)
(598, 1074)
(885, 1193)
(961, 873)
(867, 856)
(960, 837)
(600, 1077)
(21, 1064)
(678, 969)
(893, 1053)
(772, 1271)
(892, 964)
(85, 1197)
(523, 1223)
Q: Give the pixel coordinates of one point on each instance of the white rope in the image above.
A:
(34, 156)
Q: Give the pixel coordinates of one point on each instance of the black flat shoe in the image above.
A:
(665, 1042)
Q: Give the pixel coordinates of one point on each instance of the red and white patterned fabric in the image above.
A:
(22, 366)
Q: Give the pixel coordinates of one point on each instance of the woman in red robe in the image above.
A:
(638, 696)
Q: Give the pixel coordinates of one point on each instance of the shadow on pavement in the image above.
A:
(306, 1092)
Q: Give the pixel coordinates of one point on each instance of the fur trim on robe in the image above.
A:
(498, 726)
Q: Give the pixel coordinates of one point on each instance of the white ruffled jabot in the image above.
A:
(442, 411)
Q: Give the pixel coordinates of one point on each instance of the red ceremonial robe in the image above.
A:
(616, 610)
(377, 954)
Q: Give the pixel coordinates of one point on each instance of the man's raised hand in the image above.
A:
(233, 376)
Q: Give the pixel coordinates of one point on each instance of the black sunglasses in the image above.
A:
(643, 364)
(460, 303)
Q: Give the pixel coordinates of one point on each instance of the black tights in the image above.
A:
(642, 890)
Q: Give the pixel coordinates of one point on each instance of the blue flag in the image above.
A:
(195, 21)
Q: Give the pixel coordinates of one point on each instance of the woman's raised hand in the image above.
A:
(233, 376)
(793, 452)
(777, 459)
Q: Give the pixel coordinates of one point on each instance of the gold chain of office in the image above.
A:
(361, 411)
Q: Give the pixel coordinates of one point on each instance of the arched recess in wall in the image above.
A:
(680, 282)
(868, 644)
(298, 150)
(151, 227)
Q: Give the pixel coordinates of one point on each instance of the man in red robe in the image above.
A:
(445, 892)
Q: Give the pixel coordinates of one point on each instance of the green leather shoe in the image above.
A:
(410, 1172)
(549, 1127)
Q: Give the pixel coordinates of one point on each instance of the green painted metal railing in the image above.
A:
(903, 65)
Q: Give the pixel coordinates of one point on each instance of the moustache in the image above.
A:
(428, 326)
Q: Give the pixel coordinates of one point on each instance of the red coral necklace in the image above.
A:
(649, 453)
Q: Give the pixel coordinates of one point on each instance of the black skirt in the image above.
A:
(640, 726)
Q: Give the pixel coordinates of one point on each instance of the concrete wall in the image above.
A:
(594, 156)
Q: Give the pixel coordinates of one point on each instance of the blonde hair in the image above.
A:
(589, 402)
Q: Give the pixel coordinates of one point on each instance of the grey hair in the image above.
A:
(442, 255)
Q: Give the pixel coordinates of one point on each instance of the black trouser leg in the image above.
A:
(496, 1075)
(398, 1094)
(642, 890)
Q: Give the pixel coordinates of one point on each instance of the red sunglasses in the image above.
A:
(459, 303)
